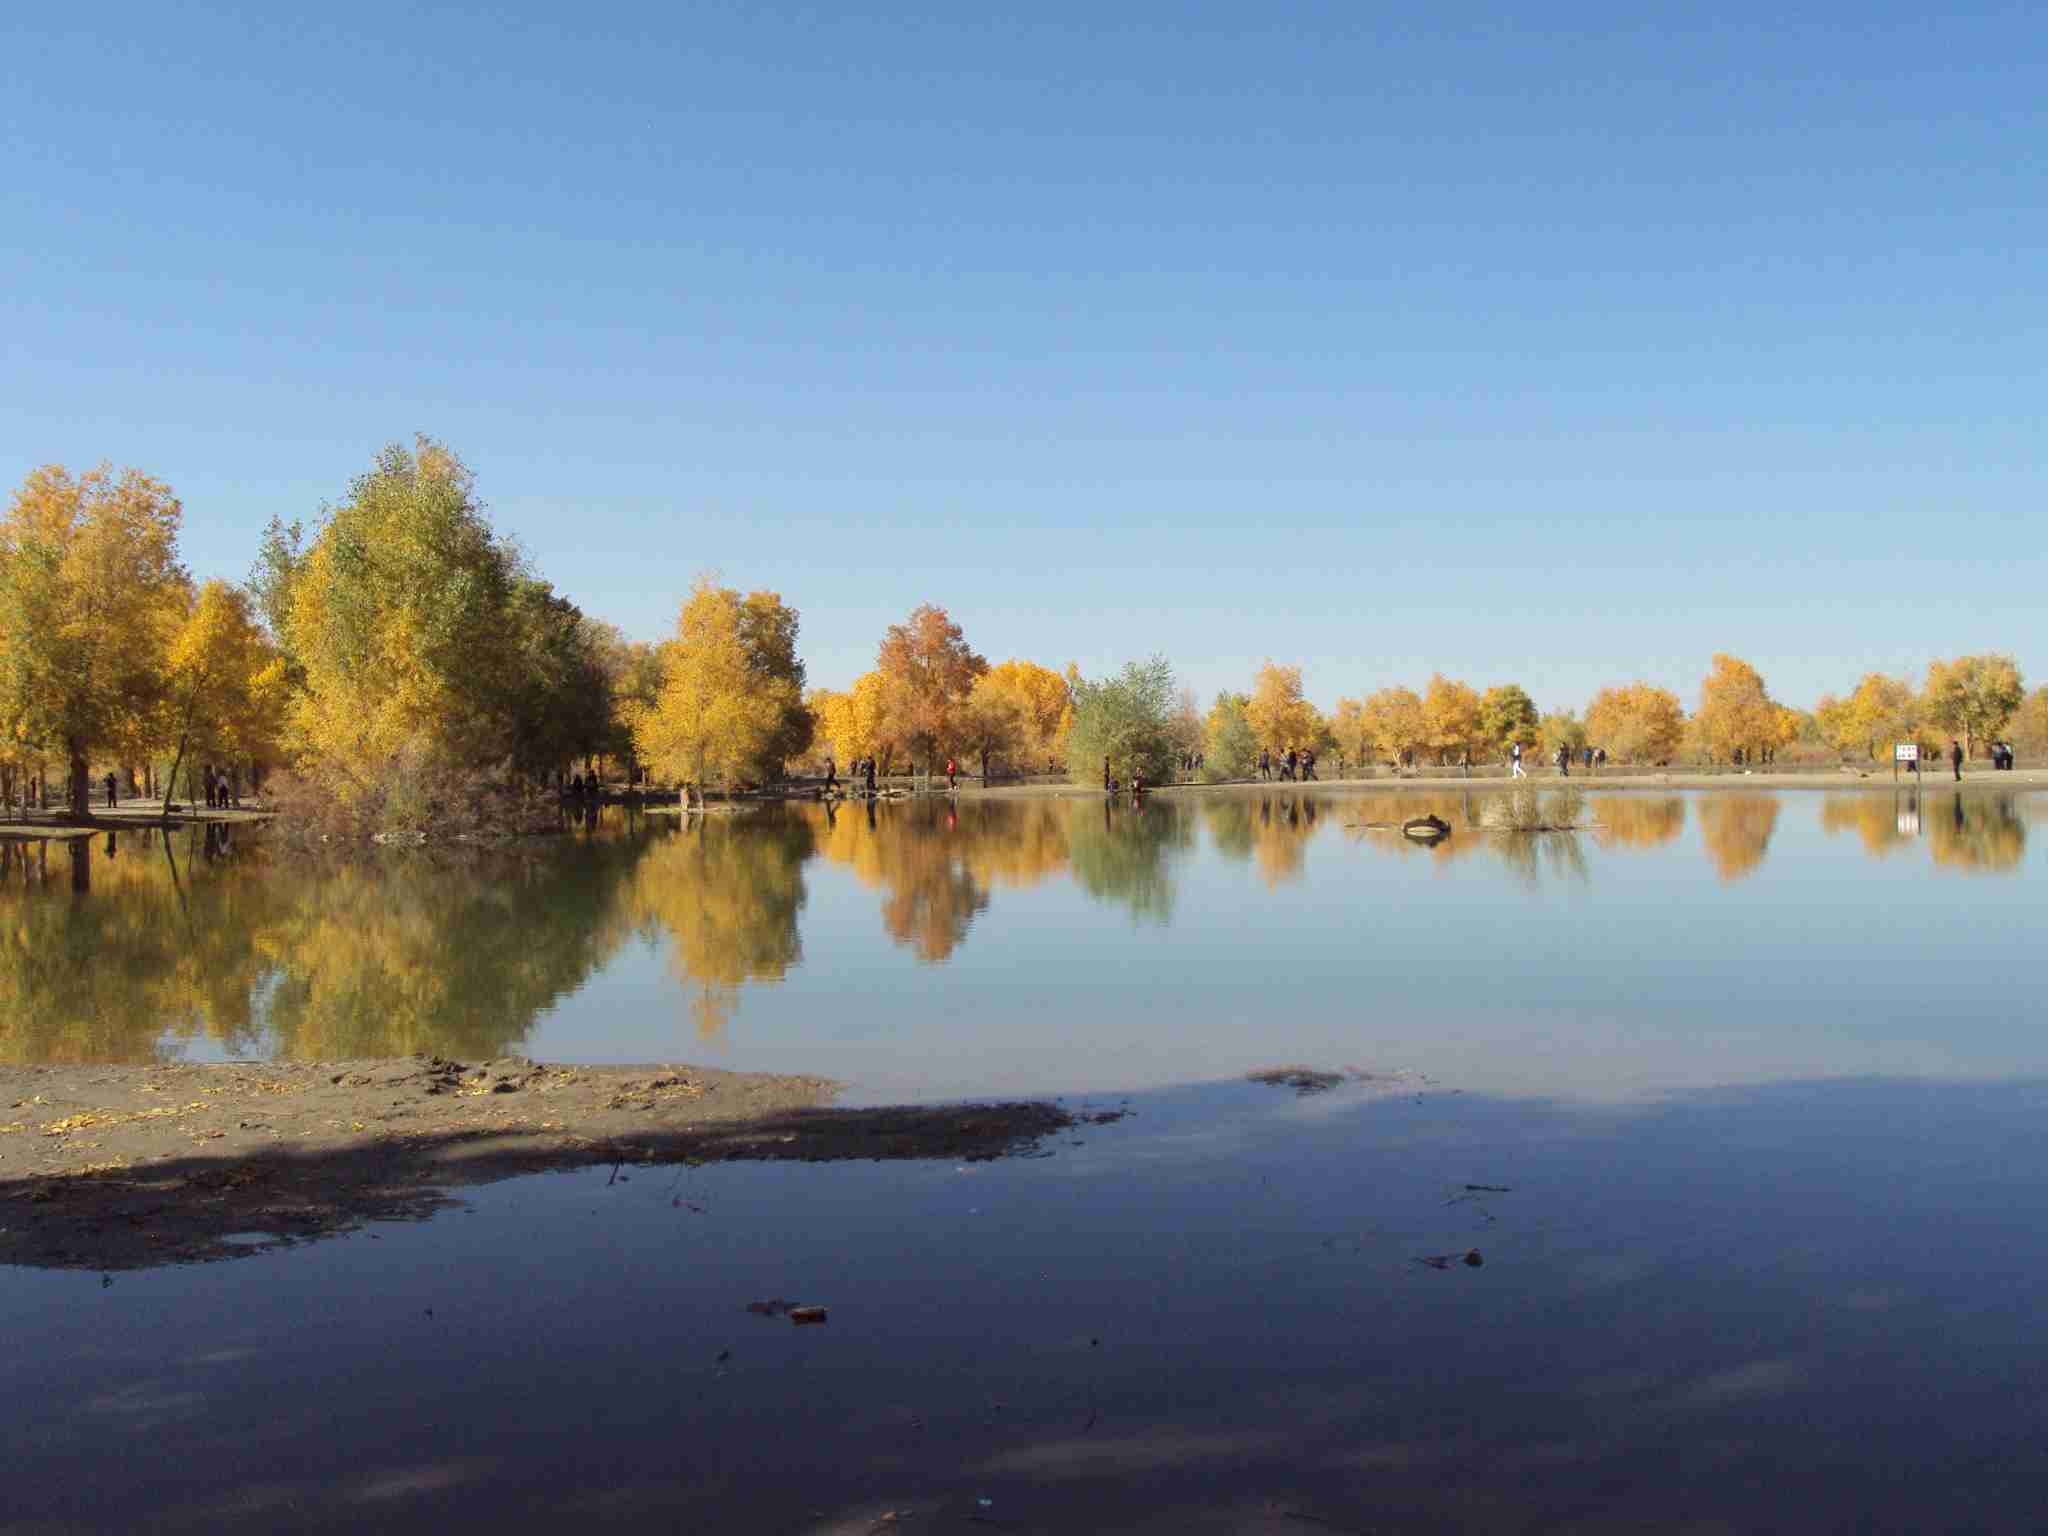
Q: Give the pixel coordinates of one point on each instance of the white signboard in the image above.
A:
(1906, 752)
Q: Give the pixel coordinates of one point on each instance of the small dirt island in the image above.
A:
(113, 1167)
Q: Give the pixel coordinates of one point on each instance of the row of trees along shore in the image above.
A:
(399, 664)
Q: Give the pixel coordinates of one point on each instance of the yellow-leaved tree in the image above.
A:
(226, 682)
(90, 591)
(928, 671)
(1280, 717)
(1451, 719)
(716, 715)
(1636, 723)
(398, 617)
(1973, 696)
(1039, 701)
(1736, 713)
(1394, 720)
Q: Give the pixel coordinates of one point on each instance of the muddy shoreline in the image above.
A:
(111, 1167)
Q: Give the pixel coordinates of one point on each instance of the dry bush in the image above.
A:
(417, 793)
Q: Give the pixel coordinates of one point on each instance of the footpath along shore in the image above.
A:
(117, 1167)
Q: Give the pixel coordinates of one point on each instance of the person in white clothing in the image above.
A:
(1515, 756)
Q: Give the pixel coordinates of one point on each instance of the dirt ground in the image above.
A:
(109, 1167)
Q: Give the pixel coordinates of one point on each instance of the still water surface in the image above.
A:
(1007, 946)
(1755, 1082)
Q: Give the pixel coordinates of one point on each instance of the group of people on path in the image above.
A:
(1590, 758)
(1299, 766)
(862, 772)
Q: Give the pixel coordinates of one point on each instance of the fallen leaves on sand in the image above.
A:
(87, 1118)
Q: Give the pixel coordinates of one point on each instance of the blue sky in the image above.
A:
(1558, 344)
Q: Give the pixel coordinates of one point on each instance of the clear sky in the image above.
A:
(1561, 344)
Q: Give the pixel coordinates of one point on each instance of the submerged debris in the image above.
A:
(1470, 1258)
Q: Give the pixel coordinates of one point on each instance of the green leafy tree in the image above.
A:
(1230, 745)
(1507, 715)
(1127, 719)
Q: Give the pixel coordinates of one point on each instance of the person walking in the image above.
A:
(831, 775)
(1955, 757)
(1265, 764)
(110, 791)
(952, 774)
(1564, 762)
(1515, 770)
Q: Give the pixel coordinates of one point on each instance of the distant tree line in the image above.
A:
(400, 657)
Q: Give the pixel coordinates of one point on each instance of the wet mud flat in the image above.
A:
(113, 1167)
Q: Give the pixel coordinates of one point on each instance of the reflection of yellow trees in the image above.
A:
(376, 958)
(1271, 831)
(102, 974)
(409, 953)
(1737, 830)
(1874, 819)
(728, 891)
(1637, 821)
(917, 857)
(1977, 836)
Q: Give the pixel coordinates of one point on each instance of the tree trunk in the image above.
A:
(81, 806)
(171, 783)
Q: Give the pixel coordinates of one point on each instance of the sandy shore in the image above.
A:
(110, 1167)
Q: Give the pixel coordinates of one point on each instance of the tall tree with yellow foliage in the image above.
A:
(1394, 721)
(1636, 723)
(717, 715)
(1279, 715)
(226, 682)
(1451, 719)
(398, 615)
(1736, 712)
(1042, 702)
(928, 671)
(1973, 696)
(90, 592)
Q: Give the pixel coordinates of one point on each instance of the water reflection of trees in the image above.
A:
(1124, 854)
(1736, 829)
(728, 892)
(1269, 831)
(1636, 821)
(1971, 833)
(412, 951)
(1977, 834)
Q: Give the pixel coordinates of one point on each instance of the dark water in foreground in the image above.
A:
(1676, 941)
(1806, 1307)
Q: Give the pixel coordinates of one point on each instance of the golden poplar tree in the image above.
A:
(226, 682)
(1280, 717)
(90, 589)
(1451, 718)
(716, 716)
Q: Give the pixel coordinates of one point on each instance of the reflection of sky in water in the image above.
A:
(1046, 946)
(1697, 1314)
(1632, 968)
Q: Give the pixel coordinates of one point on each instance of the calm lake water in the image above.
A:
(1753, 1085)
(1006, 946)
(924, 949)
